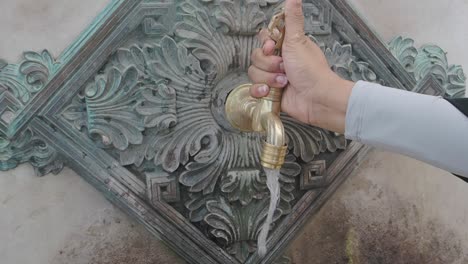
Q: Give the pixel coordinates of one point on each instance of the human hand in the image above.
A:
(314, 94)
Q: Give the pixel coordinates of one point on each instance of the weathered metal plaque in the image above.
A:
(136, 107)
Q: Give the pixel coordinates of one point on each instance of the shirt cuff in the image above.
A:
(356, 109)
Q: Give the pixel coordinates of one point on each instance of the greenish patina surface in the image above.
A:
(429, 60)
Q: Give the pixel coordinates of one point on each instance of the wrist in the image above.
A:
(331, 102)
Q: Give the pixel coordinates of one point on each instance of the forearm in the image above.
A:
(332, 103)
(424, 127)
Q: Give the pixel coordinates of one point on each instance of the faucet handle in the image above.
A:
(277, 30)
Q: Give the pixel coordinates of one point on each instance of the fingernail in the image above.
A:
(282, 66)
(281, 79)
(263, 89)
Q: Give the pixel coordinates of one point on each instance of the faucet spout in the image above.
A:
(274, 130)
(260, 115)
(274, 146)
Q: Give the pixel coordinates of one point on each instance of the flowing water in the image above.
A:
(274, 187)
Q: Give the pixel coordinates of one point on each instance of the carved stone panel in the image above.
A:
(136, 107)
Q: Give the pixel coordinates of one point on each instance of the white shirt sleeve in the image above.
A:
(423, 127)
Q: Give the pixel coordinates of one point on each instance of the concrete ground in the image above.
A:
(391, 210)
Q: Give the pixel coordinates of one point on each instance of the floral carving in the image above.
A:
(242, 17)
(403, 49)
(429, 59)
(38, 68)
(306, 142)
(118, 108)
(237, 227)
(27, 147)
(243, 185)
(20, 82)
(229, 13)
(30, 76)
(342, 61)
(158, 107)
(433, 60)
(108, 102)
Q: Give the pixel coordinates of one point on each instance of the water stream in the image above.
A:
(274, 187)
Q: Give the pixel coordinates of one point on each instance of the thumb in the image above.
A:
(294, 19)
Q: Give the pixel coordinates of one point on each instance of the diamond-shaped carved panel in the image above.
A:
(157, 106)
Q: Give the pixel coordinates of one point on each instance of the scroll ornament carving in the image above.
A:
(28, 147)
(19, 83)
(341, 59)
(429, 59)
(25, 79)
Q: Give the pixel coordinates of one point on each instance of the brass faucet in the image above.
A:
(262, 115)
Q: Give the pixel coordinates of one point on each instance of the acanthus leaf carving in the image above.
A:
(229, 12)
(28, 147)
(403, 49)
(237, 227)
(246, 186)
(108, 102)
(28, 77)
(37, 68)
(344, 63)
(288, 176)
(158, 107)
(196, 205)
(243, 185)
(118, 107)
(19, 83)
(306, 141)
(432, 59)
(252, 12)
(134, 56)
(429, 59)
